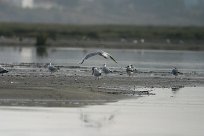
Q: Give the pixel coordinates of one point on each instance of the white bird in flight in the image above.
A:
(101, 53)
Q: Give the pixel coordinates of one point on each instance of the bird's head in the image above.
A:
(93, 70)
(175, 68)
(128, 66)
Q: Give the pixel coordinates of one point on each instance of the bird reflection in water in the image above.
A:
(175, 89)
(96, 121)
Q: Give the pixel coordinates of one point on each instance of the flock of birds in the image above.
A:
(97, 72)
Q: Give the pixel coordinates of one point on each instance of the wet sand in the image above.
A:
(34, 85)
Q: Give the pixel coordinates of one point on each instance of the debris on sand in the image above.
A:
(124, 91)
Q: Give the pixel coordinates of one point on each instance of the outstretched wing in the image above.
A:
(106, 55)
(112, 58)
(89, 55)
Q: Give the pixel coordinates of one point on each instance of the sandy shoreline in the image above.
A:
(35, 86)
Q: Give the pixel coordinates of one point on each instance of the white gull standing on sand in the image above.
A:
(96, 72)
(3, 70)
(106, 70)
(52, 68)
(101, 53)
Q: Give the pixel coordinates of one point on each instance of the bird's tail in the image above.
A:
(180, 73)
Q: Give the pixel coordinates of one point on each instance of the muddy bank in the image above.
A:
(34, 85)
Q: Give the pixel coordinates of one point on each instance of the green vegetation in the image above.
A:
(101, 31)
(41, 39)
(157, 36)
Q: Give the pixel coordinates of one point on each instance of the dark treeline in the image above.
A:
(105, 32)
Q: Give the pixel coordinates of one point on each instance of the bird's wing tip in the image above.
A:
(81, 62)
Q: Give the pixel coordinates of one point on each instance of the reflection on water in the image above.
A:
(154, 115)
(96, 121)
(141, 59)
(41, 52)
(25, 53)
(176, 88)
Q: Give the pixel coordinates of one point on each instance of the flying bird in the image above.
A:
(3, 70)
(106, 70)
(96, 72)
(101, 53)
(52, 68)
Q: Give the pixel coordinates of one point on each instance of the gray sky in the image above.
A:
(140, 12)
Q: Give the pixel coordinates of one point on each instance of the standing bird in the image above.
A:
(133, 68)
(3, 70)
(129, 70)
(96, 72)
(101, 53)
(52, 68)
(175, 72)
(106, 70)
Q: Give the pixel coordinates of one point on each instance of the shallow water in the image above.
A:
(177, 112)
(186, 61)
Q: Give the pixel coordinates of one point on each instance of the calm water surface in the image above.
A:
(142, 59)
(168, 113)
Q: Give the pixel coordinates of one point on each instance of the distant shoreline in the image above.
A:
(106, 44)
(103, 36)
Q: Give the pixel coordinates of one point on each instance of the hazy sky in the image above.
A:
(141, 12)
